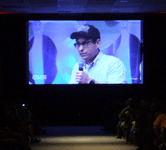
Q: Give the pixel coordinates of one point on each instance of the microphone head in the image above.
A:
(81, 64)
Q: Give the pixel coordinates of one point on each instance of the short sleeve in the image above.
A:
(117, 72)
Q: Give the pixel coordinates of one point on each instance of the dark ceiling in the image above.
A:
(83, 6)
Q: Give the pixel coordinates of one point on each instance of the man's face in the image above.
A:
(87, 49)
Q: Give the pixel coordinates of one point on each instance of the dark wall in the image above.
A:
(78, 104)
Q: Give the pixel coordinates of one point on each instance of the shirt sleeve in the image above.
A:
(117, 72)
(73, 75)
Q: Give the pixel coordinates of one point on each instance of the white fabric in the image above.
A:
(104, 69)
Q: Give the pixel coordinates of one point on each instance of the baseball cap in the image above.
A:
(87, 31)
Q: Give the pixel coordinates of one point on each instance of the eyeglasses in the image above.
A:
(84, 44)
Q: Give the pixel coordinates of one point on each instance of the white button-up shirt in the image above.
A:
(104, 69)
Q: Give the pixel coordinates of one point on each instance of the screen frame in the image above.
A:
(81, 17)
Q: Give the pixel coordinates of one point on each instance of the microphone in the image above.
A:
(81, 65)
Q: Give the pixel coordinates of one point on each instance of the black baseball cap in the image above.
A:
(87, 31)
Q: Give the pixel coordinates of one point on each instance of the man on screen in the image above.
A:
(96, 67)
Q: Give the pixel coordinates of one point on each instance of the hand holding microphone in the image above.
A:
(81, 76)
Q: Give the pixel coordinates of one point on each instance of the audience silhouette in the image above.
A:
(141, 122)
(145, 123)
(17, 126)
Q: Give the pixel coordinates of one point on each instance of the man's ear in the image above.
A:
(98, 42)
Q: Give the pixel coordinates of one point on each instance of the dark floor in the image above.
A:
(75, 131)
(80, 138)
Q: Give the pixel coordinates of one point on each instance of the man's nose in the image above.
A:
(81, 48)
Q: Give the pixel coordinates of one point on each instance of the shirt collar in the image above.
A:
(100, 54)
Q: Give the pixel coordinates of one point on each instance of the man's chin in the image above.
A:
(84, 58)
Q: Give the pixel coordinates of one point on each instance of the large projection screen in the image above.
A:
(51, 53)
